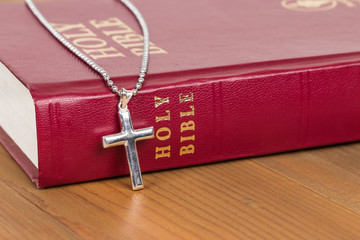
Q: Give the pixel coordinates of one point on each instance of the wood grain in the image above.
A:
(333, 172)
(232, 200)
(21, 219)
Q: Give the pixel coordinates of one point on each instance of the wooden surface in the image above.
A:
(312, 194)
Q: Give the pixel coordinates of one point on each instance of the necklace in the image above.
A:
(128, 136)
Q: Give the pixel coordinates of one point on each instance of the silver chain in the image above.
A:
(91, 63)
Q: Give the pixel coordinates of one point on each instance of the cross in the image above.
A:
(128, 137)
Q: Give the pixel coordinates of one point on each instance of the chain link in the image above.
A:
(91, 63)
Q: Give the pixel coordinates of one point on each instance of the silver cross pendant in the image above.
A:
(128, 137)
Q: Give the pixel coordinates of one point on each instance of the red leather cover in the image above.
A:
(263, 78)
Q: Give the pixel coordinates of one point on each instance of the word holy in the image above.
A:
(96, 47)
(187, 126)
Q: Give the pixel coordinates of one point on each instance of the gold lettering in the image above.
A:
(126, 37)
(65, 27)
(186, 98)
(161, 152)
(192, 138)
(164, 118)
(152, 50)
(84, 32)
(130, 45)
(137, 51)
(103, 53)
(190, 113)
(163, 137)
(127, 29)
(156, 50)
(159, 101)
(189, 149)
(111, 22)
(89, 42)
(130, 37)
(186, 126)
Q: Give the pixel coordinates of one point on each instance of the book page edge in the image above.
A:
(17, 113)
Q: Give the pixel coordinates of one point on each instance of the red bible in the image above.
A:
(226, 80)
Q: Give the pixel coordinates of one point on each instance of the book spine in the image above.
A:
(201, 121)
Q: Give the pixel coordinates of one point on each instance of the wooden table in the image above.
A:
(312, 194)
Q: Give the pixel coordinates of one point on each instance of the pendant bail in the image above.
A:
(125, 98)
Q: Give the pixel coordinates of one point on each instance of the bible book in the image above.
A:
(225, 81)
